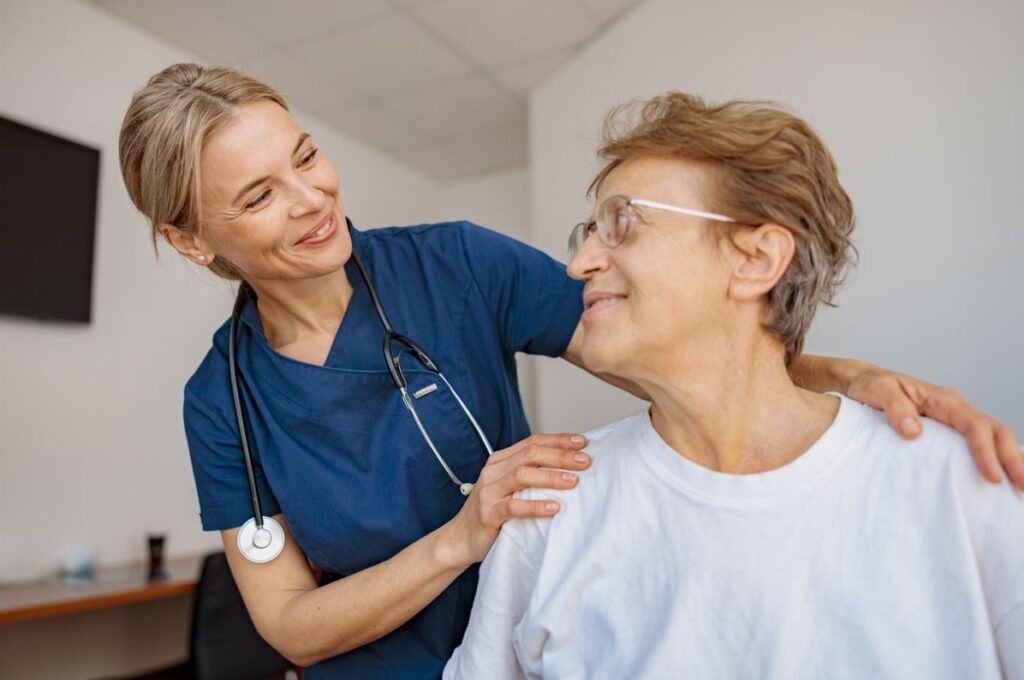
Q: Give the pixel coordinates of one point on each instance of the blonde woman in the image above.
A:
(340, 459)
(743, 527)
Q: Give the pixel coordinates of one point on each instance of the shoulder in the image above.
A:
(936, 440)
(608, 446)
(208, 388)
(443, 235)
(943, 447)
(936, 464)
(474, 243)
(440, 251)
(938, 447)
(609, 439)
(583, 509)
(611, 448)
(614, 448)
(939, 476)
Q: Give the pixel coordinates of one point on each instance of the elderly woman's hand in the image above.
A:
(904, 399)
(525, 464)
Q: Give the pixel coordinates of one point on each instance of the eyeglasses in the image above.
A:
(618, 213)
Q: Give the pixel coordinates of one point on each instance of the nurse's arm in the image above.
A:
(307, 623)
(903, 399)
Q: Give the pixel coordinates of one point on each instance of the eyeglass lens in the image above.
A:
(614, 220)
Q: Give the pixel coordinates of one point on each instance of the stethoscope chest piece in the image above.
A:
(261, 544)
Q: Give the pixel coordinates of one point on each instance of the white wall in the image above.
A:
(921, 104)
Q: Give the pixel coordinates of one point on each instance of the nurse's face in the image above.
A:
(270, 198)
(664, 287)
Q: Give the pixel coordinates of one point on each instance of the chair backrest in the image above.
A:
(225, 644)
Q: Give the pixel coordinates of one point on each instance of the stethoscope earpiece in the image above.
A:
(261, 544)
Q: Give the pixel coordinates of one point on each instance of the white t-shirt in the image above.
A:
(866, 557)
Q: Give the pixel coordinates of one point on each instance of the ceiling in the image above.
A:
(438, 84)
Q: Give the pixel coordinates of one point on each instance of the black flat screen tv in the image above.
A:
(48, 188)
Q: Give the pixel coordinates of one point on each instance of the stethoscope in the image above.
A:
(261, 539)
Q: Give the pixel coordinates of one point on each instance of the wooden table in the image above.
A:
(111, 587)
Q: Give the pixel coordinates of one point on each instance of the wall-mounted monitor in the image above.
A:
(48, 189)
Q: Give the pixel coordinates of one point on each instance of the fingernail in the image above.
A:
(581, 457)
(909, 426)
(576, 439)
(568, 477)
(551, 507)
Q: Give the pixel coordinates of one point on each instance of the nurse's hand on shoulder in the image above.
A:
(520, 466)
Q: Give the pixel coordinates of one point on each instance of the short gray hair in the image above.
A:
(767, 165)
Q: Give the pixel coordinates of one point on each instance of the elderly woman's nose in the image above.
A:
(592, 257)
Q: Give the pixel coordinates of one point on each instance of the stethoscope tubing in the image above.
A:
(259, 544)
(257, 511)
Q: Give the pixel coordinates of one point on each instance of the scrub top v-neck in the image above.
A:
(336, 451)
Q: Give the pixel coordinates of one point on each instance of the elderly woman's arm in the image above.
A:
(902, 398)
(1010, 639)
(507, 578)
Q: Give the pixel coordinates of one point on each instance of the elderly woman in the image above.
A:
(742, 527)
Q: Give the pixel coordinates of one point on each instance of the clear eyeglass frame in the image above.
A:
(618, 213)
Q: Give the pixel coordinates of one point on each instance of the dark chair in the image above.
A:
(224, 644)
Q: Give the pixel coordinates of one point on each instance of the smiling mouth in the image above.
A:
(594, 303)
(603, 302)
(322, 232)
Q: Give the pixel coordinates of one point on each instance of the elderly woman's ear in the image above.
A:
(759, 257)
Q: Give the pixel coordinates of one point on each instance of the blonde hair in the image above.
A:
(162, 136)
(767, 165)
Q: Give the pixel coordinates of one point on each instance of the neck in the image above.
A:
(728, 404)
(290, 310)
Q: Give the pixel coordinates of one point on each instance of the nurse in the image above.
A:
(377, 574)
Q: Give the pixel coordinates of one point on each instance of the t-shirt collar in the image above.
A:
(759, 488)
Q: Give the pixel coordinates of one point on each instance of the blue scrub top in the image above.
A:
(336, 451)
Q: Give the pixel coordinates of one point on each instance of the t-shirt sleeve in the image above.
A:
(995, 521)
(1010, 640)
(507, 578)
(218, 466)
(535, 303)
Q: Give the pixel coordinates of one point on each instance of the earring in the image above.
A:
(202, 258)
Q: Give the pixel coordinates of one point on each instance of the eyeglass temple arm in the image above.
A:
(682, 211)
